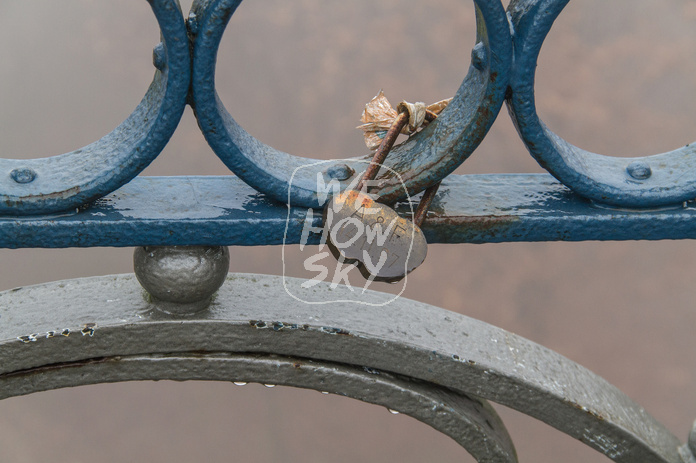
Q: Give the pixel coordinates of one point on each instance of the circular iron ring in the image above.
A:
(423, 160)
(637, 182)
(67, 181)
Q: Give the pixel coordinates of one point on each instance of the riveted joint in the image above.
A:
(478, 56)
(639, 170)
(159, 56)
(23, 175)
(192, 24)
(340, 172)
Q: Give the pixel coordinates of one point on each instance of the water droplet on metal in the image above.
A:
(239, 383)
(393, 412)
(270, 385)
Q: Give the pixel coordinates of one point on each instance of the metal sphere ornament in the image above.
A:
(181, 279)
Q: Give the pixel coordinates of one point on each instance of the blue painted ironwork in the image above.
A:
(168, 211)
(90, 197)
(67, 181)
(72, 180)
(637, 182)
(422, 161)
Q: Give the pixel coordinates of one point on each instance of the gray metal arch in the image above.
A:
(469, 421)
(107, 326)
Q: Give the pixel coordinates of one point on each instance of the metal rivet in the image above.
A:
(478, 56)
(181, 279)
(340, 172)
(192, 23)
(159, 56)
(639, 170)
(23, 175)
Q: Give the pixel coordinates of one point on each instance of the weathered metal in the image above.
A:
(103, 329)
(423, 160)
(181, 278)
(212, 211)
(359, 230)
(437, 366)
(424, 204)
(70, 180)
(470, 422)
(385, 246)
(637, 182)
(383, 150)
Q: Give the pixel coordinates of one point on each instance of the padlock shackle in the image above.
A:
(384, 148)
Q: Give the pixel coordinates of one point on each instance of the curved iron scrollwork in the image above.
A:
(67, 181)
(469, 421)
(59, 183)
(433, 364)
(423, 160)
(658, 180)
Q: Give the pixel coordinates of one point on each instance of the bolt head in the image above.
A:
(340, 172)
(639, 170)
(478, 56)
(159, 56)
(23, 175)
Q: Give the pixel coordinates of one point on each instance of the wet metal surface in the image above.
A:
(421, 161)
(181, 278)
(649, 181)
(67, 181)
(470, 422)
(104, 327)
(222, 211)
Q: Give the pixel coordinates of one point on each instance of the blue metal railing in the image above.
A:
(94, 197)
(643, 198)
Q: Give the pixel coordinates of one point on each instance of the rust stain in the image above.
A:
(592, 413)
(468, 228)
(58, 366)
(479, 223)
(57, 195)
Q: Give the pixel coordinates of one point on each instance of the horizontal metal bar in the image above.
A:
(225, 211)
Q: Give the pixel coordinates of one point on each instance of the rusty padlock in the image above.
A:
(385, 246)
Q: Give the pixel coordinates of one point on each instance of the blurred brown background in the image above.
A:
(614, 77)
